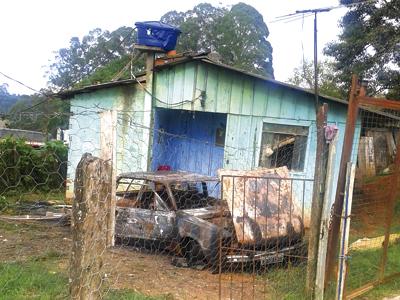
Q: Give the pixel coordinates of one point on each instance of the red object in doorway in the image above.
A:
(164, 168)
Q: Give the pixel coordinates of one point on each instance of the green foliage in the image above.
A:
(46, 115)
(239, 35)
(329, 84)
(24, 168)
(32, 280)
(83, 57)
(369, 45)
(7, 100)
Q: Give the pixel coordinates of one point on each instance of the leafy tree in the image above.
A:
(239, 35)
(369, 45)
(328, 82)
(83, 57)
(7, 100)
(45, 116)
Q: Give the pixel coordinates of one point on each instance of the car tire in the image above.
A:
(192, 252)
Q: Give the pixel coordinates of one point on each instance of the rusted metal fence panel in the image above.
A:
(373, 254)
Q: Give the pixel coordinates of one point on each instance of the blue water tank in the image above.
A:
(157, 34)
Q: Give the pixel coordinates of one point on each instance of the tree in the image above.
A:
(7, 100)
(369, 45)
(39, 113)
(83, 57)
(328, 82)
(239, 35)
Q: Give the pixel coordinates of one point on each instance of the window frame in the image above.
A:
(289, 122)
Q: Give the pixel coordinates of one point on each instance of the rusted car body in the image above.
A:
(183, 211)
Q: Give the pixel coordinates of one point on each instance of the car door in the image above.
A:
(150, 220)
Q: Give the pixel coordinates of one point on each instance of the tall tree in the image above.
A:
(39, 113)
(239, 35)
(369, 45)
(7, 100)
(328, 80)
(83, 57)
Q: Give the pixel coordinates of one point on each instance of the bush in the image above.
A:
(25, 168)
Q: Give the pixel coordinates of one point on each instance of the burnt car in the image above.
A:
(183, 212)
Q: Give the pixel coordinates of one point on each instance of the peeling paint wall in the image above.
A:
(85, 128)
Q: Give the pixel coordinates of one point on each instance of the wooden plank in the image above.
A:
(379, 102)
(236, 95)
(89, 227)
(248, 92)
(326, 215)
(345, 230)
(108, 137)
(317, 199)
(260, 98)
(366, 158)
(224, 91)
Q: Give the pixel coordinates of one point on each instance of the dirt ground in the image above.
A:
(128, 268)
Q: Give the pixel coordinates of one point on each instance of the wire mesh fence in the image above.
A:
(374, 231)
(196, 216)
(177, 227)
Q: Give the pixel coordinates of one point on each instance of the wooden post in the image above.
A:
(108, 136)
(89, 227)
(345, 229)
(316, 206)
(334, 233)
(326, 214)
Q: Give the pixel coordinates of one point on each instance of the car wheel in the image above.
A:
(192, 252)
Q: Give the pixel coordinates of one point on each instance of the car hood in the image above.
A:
(204, 213)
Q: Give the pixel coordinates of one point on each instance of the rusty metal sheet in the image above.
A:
(262, 205)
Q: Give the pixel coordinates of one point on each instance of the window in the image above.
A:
(283, 145)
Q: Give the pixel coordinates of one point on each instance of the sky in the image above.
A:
(31, 31)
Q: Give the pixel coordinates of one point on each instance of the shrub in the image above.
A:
(25, 168)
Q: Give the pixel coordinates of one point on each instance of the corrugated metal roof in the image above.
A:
(204, 57)
(90, 88)
(168, 62)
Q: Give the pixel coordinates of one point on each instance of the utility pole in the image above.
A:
(315, 12)
(320, 166)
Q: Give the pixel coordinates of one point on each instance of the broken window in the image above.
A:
(283, 145)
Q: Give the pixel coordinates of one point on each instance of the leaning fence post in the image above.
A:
(326, 213)
(89, 227)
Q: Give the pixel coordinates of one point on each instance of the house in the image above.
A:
(33, 138)
(197, 114)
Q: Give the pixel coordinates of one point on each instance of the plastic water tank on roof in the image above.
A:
(157, 34)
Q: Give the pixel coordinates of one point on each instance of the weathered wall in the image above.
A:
(132, 138)
(187, 141)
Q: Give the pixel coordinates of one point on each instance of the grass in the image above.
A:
(364, 267)
(289, 283)
(41, 278)
(34, 279)
(20, 202)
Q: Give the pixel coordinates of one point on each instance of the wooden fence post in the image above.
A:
(326, 215)
(108, 136)
(317, 200)
(89, 227)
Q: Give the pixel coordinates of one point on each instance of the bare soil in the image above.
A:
(128, 267)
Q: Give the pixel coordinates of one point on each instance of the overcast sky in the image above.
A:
(32, 30)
